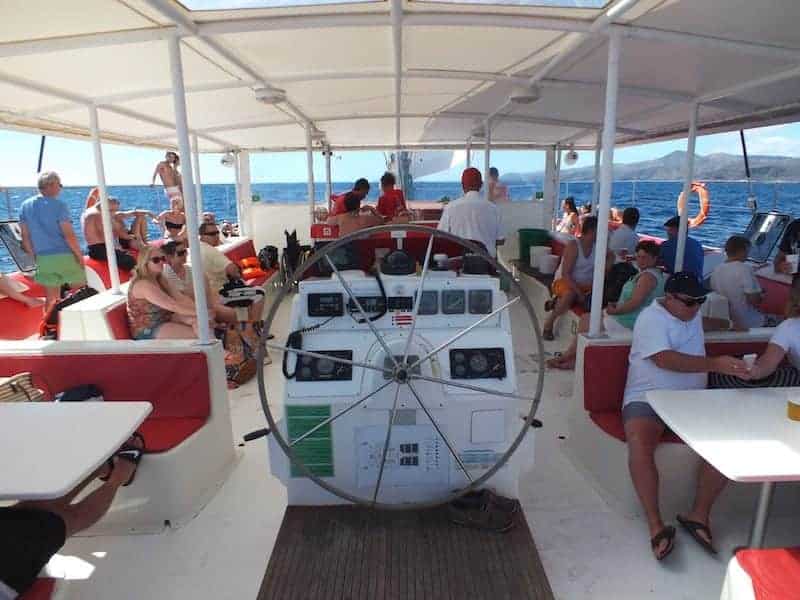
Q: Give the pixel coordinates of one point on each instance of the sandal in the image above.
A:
(110, 465)
(693, 528)
(133, 455)
(126, 446)
(668, 533)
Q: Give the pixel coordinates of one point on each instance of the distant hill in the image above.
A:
(671, 167)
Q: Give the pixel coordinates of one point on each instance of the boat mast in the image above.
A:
(41, 156)
(752, 203)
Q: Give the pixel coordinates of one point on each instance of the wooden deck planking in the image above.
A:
(353, 553)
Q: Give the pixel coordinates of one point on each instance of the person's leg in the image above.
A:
(52, 295)
(175, 331)
(56, 505)
(710, 484)
(139, 229)
(563, 304)
(567, 358)
(643, 435)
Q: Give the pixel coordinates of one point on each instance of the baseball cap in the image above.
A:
(471, 178)
(673, 221)
(686, 283)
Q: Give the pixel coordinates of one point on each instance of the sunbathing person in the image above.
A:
(668, 353)
(31, 532)
(7, 288)
(156, 310)
(173, 221)
(355, 216)
(620, 317)
(576, 273)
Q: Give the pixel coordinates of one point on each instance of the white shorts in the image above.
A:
(613, 327)
(172, 191)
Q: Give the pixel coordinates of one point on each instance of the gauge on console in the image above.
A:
(480, 302)
(478, 363)
(453, 302)
(429, 305)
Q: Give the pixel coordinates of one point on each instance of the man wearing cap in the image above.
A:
(472, 217)
(668, 353)
(692, 254)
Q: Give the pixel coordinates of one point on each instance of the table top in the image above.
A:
(745, 434)
(50, 447)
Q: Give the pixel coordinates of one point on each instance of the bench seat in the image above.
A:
(42, 589)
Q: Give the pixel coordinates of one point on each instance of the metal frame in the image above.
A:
(683, 229)
(287, 447)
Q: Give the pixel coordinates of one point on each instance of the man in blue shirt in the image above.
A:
(48, 235)
(692, 256)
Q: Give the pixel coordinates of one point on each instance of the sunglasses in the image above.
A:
(690, 302)
(157, 260)
(181, 252)
(212, 233)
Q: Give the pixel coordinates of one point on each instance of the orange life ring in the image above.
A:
(93, 197)
(705, 204)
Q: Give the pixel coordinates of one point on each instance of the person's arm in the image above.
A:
(26, 239)
(567, 264)
(72, 241)
(153, 293)
(672, 360)
(644, 285)
(232, 270)
(155, 173)
(766, 364)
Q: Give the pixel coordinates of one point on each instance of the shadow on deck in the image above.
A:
(355, 553)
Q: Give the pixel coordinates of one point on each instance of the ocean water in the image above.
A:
(656, 200)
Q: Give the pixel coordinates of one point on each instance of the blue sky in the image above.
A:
(128, 165)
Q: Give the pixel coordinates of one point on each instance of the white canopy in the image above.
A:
(383, 74)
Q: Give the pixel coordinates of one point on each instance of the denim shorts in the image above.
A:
(639, 409)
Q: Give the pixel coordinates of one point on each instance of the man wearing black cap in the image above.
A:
(668, 353)
(692, 255)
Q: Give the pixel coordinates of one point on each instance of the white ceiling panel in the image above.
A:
(321, 99)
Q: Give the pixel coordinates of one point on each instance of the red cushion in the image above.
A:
(19, 321)
(611, 423)
(776, 294)
(42, 589)
(101, 268)
(240, 250)
(163, 434)
(175, 384)
(117, 319)
(775, 572)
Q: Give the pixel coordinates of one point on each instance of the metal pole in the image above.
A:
(633, 193)
(606, 181)
(683, 230)
(759, 527)
(105, 213)
(237, 186)
(596, 182)
(487, 158)
(469, 153)
(196, 171)
(41, 155)
(182, 130)
(310, 167)
(245, 228)
(328, 181)
(557, 185)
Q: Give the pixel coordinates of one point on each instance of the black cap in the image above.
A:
(686, 283)
(673, 222)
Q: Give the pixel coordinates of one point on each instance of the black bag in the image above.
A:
(80, 393)
(616, 279)
(48, 328)
(268, 257)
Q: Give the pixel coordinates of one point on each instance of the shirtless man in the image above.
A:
(167, 170)
(92, 222)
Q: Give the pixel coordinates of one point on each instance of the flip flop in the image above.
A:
(692, 528)
(133, 455)
(110, 460)
(668, 533)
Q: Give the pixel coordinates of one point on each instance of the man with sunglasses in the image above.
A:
(48, 235)
(218, 267)
(668, 353)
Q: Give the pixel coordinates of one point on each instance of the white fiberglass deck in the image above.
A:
(588, 549)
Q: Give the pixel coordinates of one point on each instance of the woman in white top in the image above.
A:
(570, 220)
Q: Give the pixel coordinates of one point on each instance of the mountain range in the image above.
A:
(671, 167)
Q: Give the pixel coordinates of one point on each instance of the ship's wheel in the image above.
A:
(403, 373)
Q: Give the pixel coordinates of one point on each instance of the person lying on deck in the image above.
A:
(734, 279)
(31, 532)
(7, 288)
(779, 366)
(620, 317)
(574, 279)
(668, 353)
(156, 310)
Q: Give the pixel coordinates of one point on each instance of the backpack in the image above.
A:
(48, 328)
(617, 277)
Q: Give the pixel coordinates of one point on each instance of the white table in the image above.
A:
(744, 434)
(48, 448)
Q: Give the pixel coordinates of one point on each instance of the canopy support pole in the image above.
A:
(196, 170)
(557, 186)
(310, 167)
(683, 230)
(469, 153)
(246, 192)
(606, 181)
(190, 201)
(237, 186)
(596, 182)
(105, 212)
(487, 158)
(328, 180)
(549, 195)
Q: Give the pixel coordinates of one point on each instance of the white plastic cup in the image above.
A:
(750, 360)
(792, 259)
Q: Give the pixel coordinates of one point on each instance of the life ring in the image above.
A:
(93, 197)
(705, 204)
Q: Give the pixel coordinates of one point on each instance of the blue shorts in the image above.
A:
(639, 409)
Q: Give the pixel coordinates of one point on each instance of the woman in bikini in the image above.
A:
(156, 310)
(173, 221)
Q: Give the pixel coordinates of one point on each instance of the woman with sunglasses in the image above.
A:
(156, 310)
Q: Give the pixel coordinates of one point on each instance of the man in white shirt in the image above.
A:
(623, 241)
(472, 217)
(668, 353)
(218, 267)
(734, 279)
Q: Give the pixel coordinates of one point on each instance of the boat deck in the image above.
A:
(363, 554)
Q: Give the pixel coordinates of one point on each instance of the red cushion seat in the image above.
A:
(165, 433)
(117, 319)
(775, 572)
(42, 589)
(101, 268)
